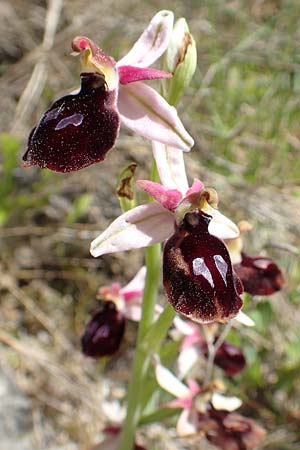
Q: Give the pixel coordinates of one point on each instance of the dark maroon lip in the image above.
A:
(104, 332)
(197, 273)
(260, 275)
(77, 130)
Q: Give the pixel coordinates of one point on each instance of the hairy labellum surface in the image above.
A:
(78, 130)
(104, 333)
(230, 358)
(259, 275)
(197, 272)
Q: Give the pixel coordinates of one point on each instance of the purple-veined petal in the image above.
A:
(168, 198)
(145, 112)
(170, 166)
(131, 74)
(140, 227)
(137, 284)
(152, 43)
(196, 187)
(169, 382)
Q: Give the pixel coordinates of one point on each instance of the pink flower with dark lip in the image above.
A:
(191, 399)
(79, 129)
(204, 297)
(104, 333)
(228, 357)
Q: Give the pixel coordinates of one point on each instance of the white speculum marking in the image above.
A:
(222, 267)
(75, 119)
(200, 268)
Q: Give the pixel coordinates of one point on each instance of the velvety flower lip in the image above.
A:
(197, 273)
(229, 357)
(79, 129)
(104, 332)
(191, 399)
(260, 275)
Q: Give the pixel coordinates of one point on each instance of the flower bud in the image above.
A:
(104, 332)
(181, 60)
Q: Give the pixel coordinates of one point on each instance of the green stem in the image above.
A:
(212, 350)
(142, 356)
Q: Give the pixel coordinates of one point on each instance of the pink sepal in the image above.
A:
(130, 74)
(131, 295)
(191, 340)
(168, 198)
(139, 227)
(148, 114)
(193, 386)
(197, 186)
(184, 403)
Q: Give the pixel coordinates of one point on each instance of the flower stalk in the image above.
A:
(142, 356)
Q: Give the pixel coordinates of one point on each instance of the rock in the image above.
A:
(16, 427)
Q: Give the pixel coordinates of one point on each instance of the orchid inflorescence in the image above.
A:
(205, 270)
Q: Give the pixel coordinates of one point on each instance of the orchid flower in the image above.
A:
(155, 222)
(105, 331)
(260, 275)
(191, 399)
(79, 129)
(228, 356)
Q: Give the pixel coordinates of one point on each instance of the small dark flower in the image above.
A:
(231, 431)
(230, 358)
(259, 275)
(78, 130)
(104, 333)
(197, 272)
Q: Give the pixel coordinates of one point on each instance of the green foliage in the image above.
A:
(80, 207)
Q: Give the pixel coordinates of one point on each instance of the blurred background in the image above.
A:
(243, 109)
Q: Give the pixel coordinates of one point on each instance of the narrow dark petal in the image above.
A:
(259, 275)
(197, 271)
(77, 131)
(104, 333)
(230, 358)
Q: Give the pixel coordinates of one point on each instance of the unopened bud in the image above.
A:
(181, 60)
